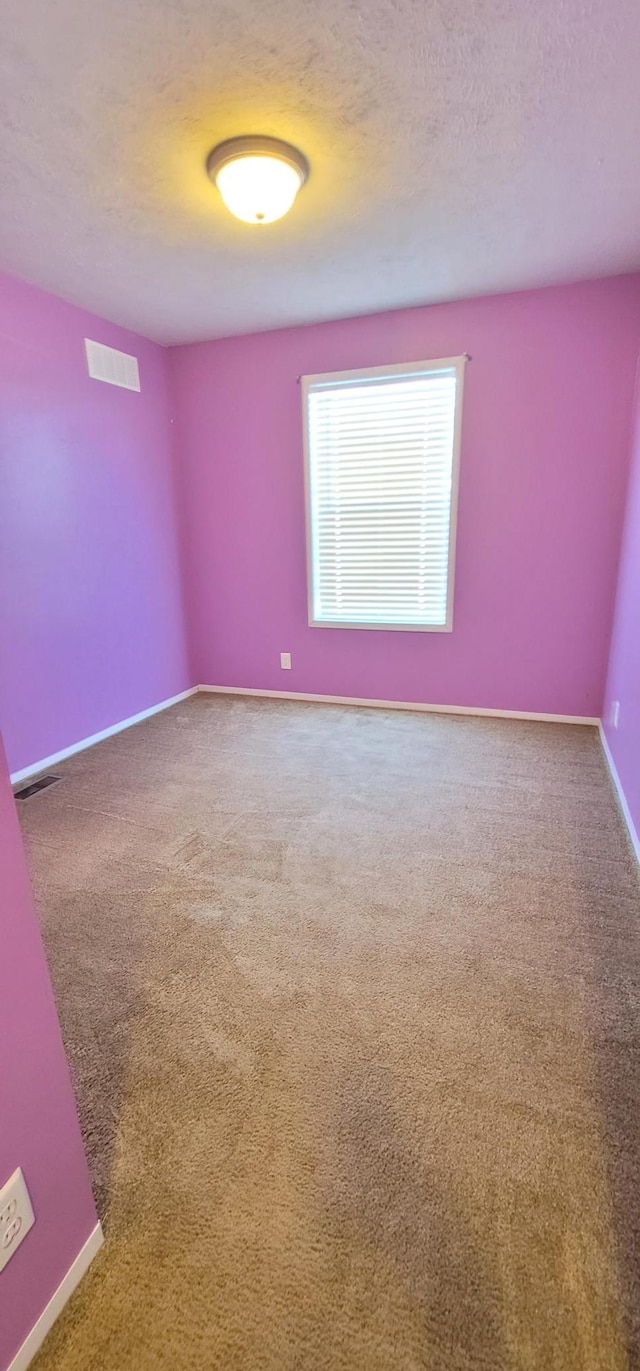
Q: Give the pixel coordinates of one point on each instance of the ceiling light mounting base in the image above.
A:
(258, 177)
(256, 145)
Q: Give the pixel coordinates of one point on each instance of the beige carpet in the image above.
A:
(352, 1003)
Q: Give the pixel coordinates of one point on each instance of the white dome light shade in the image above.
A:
(258, 178)
(258, 189)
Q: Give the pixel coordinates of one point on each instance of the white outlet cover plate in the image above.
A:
(285, 661)
(16, 1216)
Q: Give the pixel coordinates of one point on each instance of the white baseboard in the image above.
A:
(36, 1337)
(401, 704)
(36, 767)
(621, 797)
(47, 762)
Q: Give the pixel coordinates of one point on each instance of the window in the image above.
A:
(381, 458)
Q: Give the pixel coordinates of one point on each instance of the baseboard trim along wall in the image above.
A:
(47, 762)
(620, 795)
(36, 1337)
(402, 704)
(44, 765)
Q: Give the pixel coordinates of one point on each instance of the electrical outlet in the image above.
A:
(16, 1216)
(285, 661)
(615, 713)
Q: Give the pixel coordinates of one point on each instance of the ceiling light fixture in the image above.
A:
(258, 178)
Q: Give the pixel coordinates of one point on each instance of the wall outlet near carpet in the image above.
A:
(285, 661)
(615, 713)
(16, 1216)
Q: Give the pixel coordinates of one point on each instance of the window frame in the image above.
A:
(455, 364)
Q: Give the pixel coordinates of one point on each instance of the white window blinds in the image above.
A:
(381, 469)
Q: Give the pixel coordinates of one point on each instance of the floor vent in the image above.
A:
(40, 784)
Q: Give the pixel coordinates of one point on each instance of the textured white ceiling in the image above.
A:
(456, 146)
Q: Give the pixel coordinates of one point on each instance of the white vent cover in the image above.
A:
(116, 368)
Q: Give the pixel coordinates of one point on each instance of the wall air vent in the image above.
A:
(107, 364)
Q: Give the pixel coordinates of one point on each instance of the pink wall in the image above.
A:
(38, 1125)
(548, 396)
(91, 615)
(623, 682)
(91, 610)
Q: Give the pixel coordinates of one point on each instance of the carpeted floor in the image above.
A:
(352, 1004)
